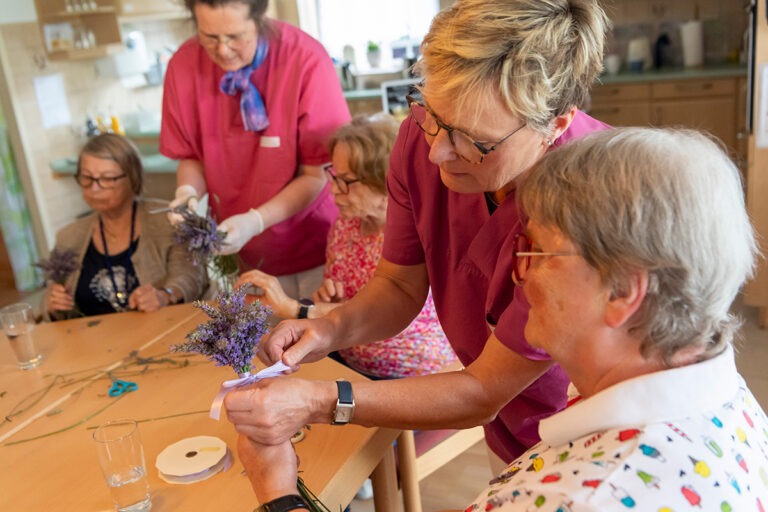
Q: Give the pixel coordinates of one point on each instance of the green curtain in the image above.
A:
(15, 221)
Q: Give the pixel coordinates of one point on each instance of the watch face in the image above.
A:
(343, 413)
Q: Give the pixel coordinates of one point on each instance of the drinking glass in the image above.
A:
(121, 457)
(18, 321)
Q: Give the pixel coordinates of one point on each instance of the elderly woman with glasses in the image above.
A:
(126, 256)
(630, 274)
(502, 82)
(360, 155)
(248, 106)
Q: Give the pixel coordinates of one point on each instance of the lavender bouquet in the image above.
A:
(199, 233)
(231, 337)
(61, 263)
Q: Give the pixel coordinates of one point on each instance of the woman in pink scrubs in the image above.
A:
(248, 106)
(502, 84)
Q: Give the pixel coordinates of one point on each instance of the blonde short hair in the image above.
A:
(542, 56)
(665, 201)
(111, 146)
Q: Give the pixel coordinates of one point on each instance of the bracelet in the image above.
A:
(171, 296)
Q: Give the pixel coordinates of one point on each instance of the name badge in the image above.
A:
(270, 142)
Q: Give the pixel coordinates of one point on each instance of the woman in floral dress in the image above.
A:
(360, 153)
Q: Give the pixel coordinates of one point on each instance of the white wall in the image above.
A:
(17, 11)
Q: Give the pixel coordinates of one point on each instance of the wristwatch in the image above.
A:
(171, 296)
(345, 405)
(304, 306)
(283, 504)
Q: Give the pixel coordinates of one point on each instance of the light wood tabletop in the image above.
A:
(47, 456)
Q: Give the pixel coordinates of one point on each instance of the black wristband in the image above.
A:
(283, 504)
(304, 306)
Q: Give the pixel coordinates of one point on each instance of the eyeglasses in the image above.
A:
(466, 147)
(521, 258)
(234, 41)
(341, 183)
(105, 182)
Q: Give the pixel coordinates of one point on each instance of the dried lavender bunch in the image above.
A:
(59, 265)
(200, 235)
(231, 337)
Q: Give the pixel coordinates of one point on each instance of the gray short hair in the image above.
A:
(542, 56)
(666, 201)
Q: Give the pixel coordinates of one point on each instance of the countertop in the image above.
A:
(623, 77)
(157, 163)
(154, 163)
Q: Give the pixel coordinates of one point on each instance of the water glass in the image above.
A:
(18, 321)
(121, 457)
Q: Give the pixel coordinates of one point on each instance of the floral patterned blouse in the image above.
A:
(422, 348)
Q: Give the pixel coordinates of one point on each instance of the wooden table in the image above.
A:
(67, 396)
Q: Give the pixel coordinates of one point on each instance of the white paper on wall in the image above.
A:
(761, 136)
(52, 101)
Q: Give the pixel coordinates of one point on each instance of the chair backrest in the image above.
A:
(423, 452)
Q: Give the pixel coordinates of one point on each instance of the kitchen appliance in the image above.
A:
(639, 54)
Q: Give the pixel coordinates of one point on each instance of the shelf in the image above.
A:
(85, 53)
(65, 15)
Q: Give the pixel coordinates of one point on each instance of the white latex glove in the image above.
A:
(240, 229)
(185, 194)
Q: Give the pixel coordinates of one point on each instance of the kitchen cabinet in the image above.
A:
(711, 104)
(86, 29)
(622, 105)
(708, 105)
(71, 33)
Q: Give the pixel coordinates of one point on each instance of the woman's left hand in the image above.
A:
(147, 298)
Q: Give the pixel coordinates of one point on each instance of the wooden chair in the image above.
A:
(421, 453)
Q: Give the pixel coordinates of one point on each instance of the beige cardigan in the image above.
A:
(157, 260)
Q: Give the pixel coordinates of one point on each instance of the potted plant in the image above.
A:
(373, 54)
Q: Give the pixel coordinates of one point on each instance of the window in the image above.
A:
(397, 26)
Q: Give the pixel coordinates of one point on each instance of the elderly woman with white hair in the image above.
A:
(637, 244)
(630, 273)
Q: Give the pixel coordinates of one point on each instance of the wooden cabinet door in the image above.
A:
(715, 115)
(621, 105)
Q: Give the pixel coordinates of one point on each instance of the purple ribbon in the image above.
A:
(251, 105)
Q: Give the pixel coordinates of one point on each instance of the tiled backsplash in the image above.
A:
(724, 23)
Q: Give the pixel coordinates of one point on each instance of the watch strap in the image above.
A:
(283, 504)
(304, 307)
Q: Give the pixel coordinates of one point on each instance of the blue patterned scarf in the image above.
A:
(251, 105)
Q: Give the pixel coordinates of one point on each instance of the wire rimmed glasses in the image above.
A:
(521, 258)
(469, 149)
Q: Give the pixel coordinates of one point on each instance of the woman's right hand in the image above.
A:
(274, 296)
(58, 299)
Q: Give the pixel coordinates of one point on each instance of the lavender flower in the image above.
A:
(59, 265)
(200, 235)
(231, 337)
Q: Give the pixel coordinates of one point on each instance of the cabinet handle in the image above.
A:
(694, 87)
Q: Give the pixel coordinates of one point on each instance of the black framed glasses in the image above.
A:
(104, 182)
(341, 183)
(466, 147)
(521, 258)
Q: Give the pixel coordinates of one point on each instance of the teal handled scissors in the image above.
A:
(122, 386)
